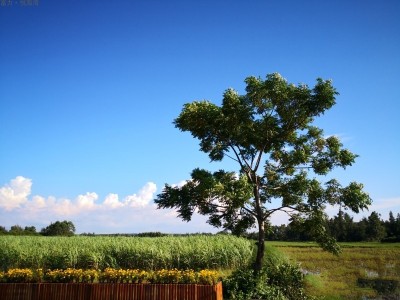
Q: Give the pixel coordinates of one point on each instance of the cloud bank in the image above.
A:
(113, 214)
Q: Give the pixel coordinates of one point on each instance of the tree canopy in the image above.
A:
(280, 154)
(64, 228)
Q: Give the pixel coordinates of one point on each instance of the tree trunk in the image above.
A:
(260, 247)
(258, 264)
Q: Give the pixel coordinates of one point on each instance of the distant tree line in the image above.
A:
(58, 228)
(343, 228)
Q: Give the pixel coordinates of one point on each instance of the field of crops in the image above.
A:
(189, 252)
(339, 277)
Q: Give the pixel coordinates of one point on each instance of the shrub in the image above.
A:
(109, 275)
(278, 280)
(70, 275)
(19, 276)
(123, 276)
(243, 285)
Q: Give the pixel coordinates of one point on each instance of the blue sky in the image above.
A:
(89, 90)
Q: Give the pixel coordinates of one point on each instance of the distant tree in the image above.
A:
(375, 229)
(360, 230)
(3, 230)
(342, 227)
(16, 230)
(280, 154)
(392, 225)
(151, 234)
(397, 227)
(276, 233)
(30, 230)
(64, 228)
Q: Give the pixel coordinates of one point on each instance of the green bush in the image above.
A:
(279, 280)
(243, 285)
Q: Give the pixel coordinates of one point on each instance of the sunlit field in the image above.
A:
(341, 277)
(361, 270)
(194, 252)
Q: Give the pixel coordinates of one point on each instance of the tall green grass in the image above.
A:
(195, 252)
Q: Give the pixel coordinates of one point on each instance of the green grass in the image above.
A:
(335, 277)
(328, 276)
(195, 252)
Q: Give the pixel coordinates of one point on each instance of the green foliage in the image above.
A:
(342, 227)
(243, 285)
(64, 228)
(375, 227)
(18, 230)
(393, 226)
(271, 124)
(3, 230)
(224, 186)
(278, 280)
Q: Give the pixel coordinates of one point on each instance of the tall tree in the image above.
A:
(392, 227)
(268, 131)
(360, 231)
(342, 227)
(375, 229)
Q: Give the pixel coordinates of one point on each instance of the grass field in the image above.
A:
(336, 277)
(194, 252)
(328, 276)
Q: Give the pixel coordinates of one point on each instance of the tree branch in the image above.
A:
(240, 159)
(250, 211)
(282, 208)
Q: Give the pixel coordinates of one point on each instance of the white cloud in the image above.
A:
(16, 193)
(87, 200)
(15, 196)
(113, 214)
(112, 201)
(146, 194)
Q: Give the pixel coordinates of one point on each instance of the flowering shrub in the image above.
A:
(109, 275)
(64, 276)
(186, 276)
(123, 276)
(189, 276)
(90, 276)
(18, 276)
(208, 277)
(165, 276)
(71, 275)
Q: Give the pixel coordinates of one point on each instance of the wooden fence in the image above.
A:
(109, 291)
